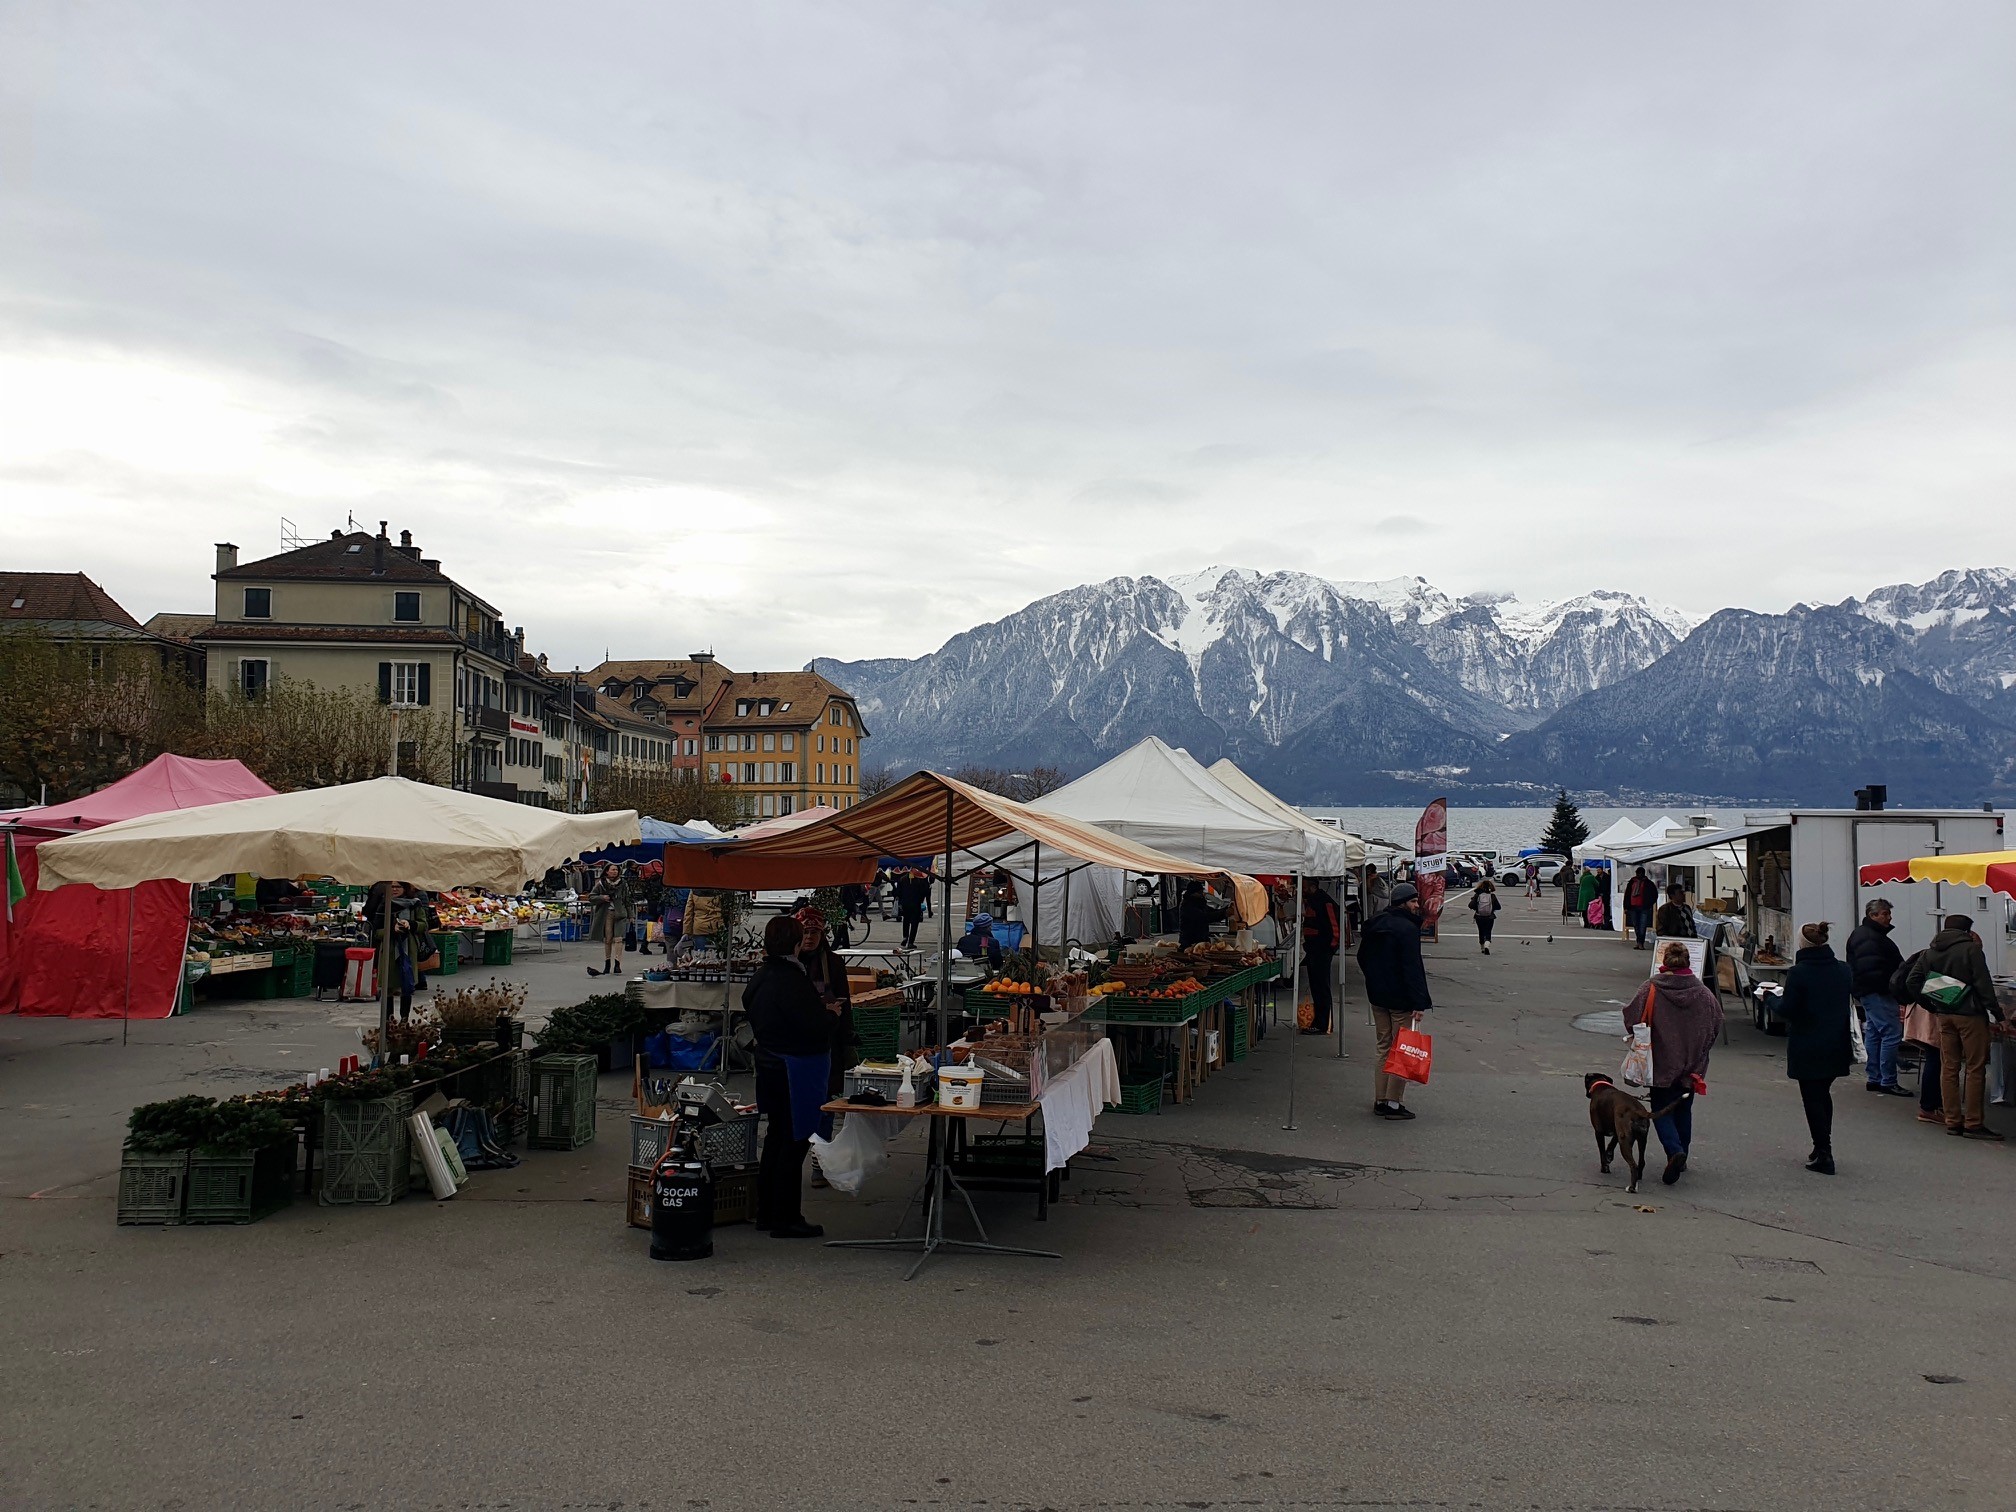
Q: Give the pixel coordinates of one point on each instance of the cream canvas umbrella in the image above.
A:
(385, 830)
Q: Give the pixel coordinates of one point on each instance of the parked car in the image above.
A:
(1515, 874)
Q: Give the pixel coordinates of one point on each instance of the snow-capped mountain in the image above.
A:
(1360, 691)
(1960, 631)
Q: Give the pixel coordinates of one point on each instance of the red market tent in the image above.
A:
(77, 952)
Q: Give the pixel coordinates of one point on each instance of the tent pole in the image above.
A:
(1036, 904)
(126, 1010)
(1295, 1003)
(1064, 927)
(384, 966)
(1343, 963)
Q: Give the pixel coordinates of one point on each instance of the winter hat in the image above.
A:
(1815, 934)
(1406, 892)
(811, 921)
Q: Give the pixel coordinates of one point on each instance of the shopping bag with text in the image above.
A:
(1410, 1056)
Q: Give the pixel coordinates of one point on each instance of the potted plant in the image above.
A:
(493, 1013)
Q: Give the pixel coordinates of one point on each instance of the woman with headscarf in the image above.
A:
(1685, 1016)
(794, 1026)
(1817, 1007)
(829, 974)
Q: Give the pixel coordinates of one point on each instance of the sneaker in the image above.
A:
(1821, 1165)
(1956, 1131)
(1893, 1090)
(1402, 1112)
(1925, 1116)
(1983, 1132)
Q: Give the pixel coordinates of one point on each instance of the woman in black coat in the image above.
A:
(793, 1026)
(1817, 1011)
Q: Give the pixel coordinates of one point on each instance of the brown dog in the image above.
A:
(1621, 1122)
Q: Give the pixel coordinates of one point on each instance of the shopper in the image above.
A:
(409, 912)
(794, 1028)
(1640, 898)
(1569, 879)
(913, 891)
(1588, 891)
(1685, 1016)
(1952, 979)
(1873, 959)
(1921, 1028)
(1817, 1013)
(1675, 920)
(1321, 939)
(1484, 908)
(978, 943)
(1533, 879)
(1396, 983)
(610, 897)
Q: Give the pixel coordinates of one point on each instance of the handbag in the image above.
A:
(1412, 1055)
(1637, 1068)
(630, 937)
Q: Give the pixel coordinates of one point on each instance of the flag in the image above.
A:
(1431, 855)
(16, 889)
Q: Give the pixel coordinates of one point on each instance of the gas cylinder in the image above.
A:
(682, 1203)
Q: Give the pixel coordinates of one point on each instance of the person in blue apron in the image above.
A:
(794, 1028)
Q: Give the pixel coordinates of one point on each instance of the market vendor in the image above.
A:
(794, 1029)
(281, 895)
(979, 941)
(829, 974)
(1197, 914)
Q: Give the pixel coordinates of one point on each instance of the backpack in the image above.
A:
(1900, 980)
(1485, 904)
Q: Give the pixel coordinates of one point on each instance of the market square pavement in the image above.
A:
(1458, 1311)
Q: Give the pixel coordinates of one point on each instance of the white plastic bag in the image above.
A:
(850, 1157)
(1637, 1068)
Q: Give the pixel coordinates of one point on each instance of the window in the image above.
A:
(764, 708)
(833, 714)
(254, 677)
(850, 745)
(818, 771)
(784, 804)
(713, 742)
(769, 741)
(769, 805)
(713, 771)
(258, 603)
(406, 607)
(405, 685)
(822, 742)
(692, 748)
(787, 771)
(741, 708)
(769, 771)
(749, 771)
(788, 741)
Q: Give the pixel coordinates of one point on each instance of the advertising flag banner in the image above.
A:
(1431, 855)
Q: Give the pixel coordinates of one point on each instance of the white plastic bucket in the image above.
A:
(959, 1087)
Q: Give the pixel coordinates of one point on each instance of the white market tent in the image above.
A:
(1623, 833)
(385, 830)
(1230, 776)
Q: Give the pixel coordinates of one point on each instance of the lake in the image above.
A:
(1505, 830)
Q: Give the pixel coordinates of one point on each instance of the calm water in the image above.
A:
(1505, 830)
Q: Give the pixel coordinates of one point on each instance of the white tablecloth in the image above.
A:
(1074, 1100)
(685, 996)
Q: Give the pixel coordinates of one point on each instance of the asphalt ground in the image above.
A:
(1454, 1312)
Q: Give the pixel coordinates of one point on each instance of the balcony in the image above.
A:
(488, 721)
(493, 645)
(503, 790)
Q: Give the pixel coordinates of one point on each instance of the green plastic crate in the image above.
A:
(152, 1188)
(1141, 1096)
(239, 1188)
(1238, 1034)
(297, 978)
(448, 945)
(563, 1102)
(497, 945)
(365, 1149)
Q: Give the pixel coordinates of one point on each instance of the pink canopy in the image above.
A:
(65, 953)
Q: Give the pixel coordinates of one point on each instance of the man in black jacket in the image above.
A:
(1320, 939)
(1872, 958)
(794, 1029)
(1396, 982)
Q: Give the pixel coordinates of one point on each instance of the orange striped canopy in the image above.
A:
(1991, 869)
(923, 815)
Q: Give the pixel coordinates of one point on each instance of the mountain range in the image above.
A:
(1374, 692)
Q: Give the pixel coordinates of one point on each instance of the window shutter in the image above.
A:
(426, 682)
(233, 676)
(385, 682)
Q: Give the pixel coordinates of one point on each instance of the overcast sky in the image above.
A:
(834, 329)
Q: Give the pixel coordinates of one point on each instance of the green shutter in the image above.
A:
(426, 683)
(385, 682)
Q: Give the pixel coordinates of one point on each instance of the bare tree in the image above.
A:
(676, 796)
(1021, 786)
(875, 780)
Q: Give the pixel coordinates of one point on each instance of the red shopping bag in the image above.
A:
(1410, 1056)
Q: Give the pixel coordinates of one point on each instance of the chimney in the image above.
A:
(702, 657)
(518, 639)
(335, 535)
(378, 545)
(227, 556)
(434, 562)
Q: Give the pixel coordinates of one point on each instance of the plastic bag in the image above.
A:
(851, 1156)
(1637, 1068)
(1412, 1054)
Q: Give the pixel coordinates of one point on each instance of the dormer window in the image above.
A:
(764, 708)
(741, 708)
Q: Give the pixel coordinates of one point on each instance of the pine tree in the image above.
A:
(1565, 830)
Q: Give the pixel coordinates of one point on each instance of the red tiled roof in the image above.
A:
(59, 596)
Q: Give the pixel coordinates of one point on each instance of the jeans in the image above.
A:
(1638, 920)
(1316, 971)
(1816, 1093)
(1676, 1129)
(1963, 1068)
(1928, 1080)
(1882, 1033)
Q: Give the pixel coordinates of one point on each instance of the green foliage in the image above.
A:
(1565, 829)
(185, 1123)
(586, 1026)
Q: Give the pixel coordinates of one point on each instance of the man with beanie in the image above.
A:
(1951, 978)
(1389, 955)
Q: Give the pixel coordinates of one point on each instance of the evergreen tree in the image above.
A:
(1565, 830)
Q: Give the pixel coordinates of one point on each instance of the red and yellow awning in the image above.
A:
(1991, 869)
